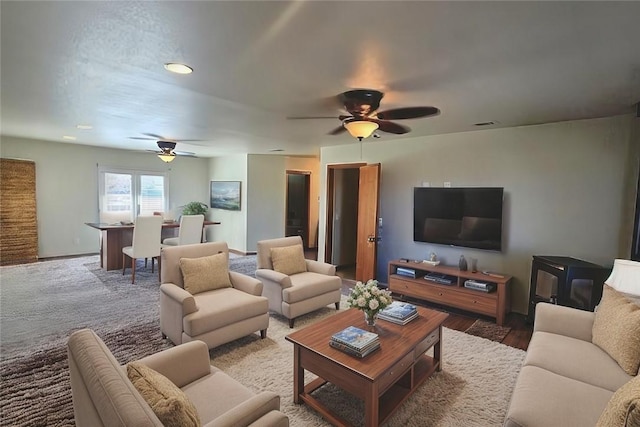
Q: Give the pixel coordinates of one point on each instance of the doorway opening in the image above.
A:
(342, 218)
(297, 209)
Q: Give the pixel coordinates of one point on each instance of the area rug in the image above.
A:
(43, 303)
(488, 330)
(473, 389)
(36, 389)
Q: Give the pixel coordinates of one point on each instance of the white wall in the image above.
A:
(263, 194)
(67, 188)
(564, 191)
(233, 227)
(267, 198)
(67, 191)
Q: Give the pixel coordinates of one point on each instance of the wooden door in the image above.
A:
(19, 237)
(367, 247)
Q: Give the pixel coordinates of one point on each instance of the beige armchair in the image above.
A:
(103, 395)
(215, 315)
(294, 285)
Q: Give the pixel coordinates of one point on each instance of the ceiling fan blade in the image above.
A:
(407, 113)
(391, 127)
(310, 117)
(155, 136)
(141, 138)
(337, 131)
(340, 117)
(185, 153)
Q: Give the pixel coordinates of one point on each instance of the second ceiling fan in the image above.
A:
(167, 146)
(364, 117)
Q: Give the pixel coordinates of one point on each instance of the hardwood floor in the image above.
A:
(459, 320)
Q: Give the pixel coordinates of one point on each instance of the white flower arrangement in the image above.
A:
(369, 298)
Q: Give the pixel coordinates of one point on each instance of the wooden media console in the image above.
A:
(495, 304)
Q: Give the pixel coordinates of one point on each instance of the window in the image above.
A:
(126, 194)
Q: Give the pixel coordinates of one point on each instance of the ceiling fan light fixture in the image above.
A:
(360, 129)
(178, 68)
(167, 157)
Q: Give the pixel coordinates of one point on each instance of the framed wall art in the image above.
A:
(225, 195)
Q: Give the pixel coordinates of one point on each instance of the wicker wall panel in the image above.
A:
(18, 220)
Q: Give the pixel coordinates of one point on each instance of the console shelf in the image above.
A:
(495, 304)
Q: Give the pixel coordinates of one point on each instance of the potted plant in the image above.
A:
(195, 208)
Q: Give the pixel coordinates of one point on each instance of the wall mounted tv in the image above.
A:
(469, 217)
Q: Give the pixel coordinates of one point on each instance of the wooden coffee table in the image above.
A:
(383, 379)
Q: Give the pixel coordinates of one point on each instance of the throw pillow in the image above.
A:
(170, 404)
(616, 329)
(288, 260)
(205, 273)
(623, 408)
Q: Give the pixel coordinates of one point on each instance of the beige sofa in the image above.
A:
(566, 380)
(104, 396)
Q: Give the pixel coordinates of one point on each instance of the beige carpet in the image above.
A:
(473, 389)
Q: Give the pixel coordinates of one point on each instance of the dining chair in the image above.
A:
(145, 244)
(189, 233)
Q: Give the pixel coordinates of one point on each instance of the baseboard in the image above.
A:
(51, 258)
(242, 253)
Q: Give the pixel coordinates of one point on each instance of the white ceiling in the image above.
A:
(258, 62)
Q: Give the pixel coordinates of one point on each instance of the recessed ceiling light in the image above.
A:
(70, 138)
(84, 127)
(178, 68)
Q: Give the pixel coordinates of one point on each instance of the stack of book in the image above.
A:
(355, 341)
(398, 312)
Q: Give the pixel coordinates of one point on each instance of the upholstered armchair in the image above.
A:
(200, 299)
(295, 285)
(165, 388)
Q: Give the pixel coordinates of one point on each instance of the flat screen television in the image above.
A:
(468, 217)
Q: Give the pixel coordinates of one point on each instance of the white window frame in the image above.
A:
(135, 187)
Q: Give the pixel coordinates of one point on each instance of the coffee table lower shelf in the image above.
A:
(389, 400)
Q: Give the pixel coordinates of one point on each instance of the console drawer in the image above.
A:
(395, 372)
(479, 303)
(418, 290)
(427, 343)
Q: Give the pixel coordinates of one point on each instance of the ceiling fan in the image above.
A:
(167, 147)
(364, 118)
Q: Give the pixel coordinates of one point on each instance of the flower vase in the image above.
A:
(370, 318)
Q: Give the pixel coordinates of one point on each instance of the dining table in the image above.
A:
(115, 236)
